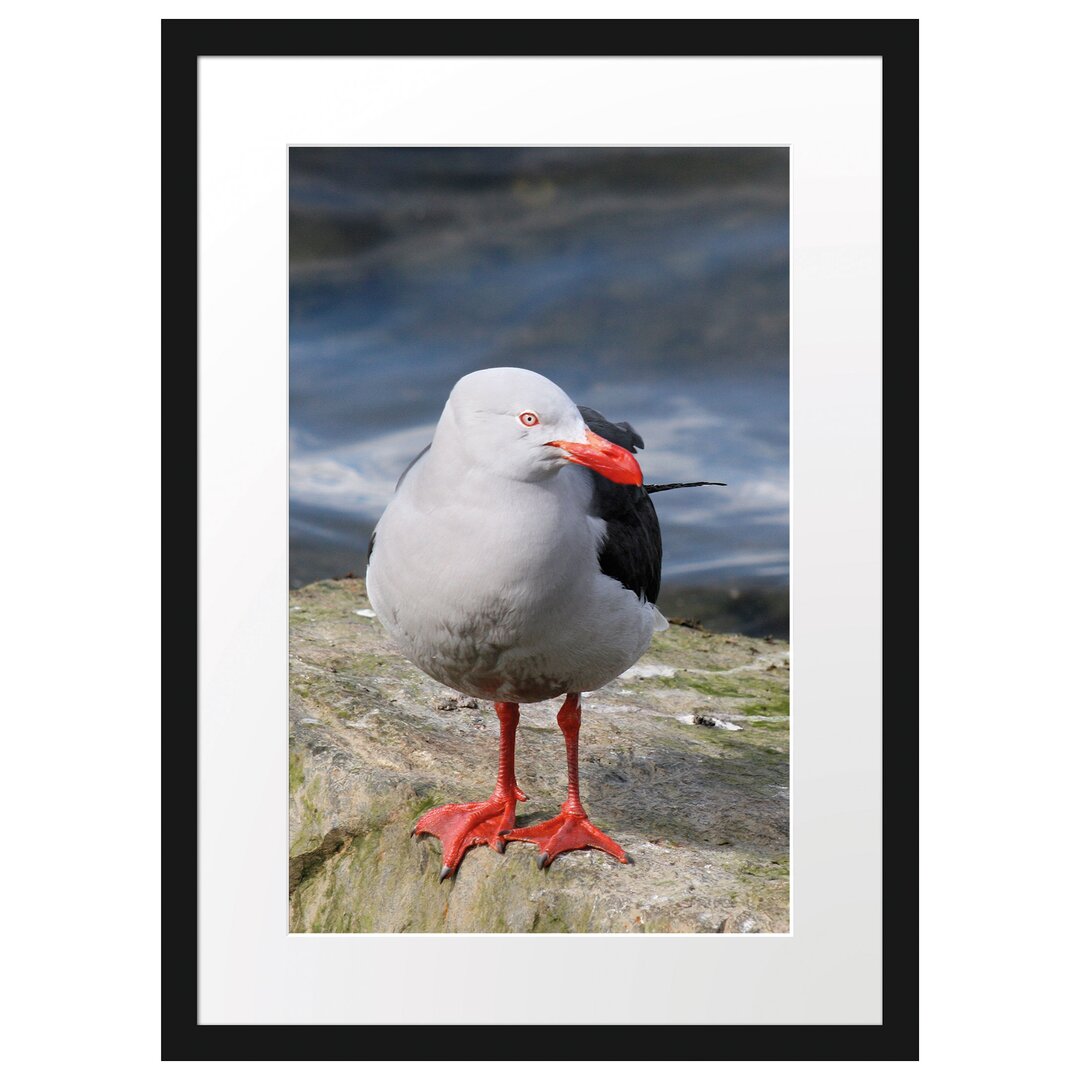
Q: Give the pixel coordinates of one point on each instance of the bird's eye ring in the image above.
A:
(529, 419)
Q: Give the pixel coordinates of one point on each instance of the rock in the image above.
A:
(448, 701)
(702, 810)
(705, 720)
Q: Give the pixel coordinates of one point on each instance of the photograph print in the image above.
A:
(539, 560)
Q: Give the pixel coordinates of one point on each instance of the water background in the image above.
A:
(650, 284)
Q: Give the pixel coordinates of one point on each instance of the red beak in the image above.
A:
(603, 457)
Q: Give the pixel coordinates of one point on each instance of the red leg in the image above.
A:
(571, 828)
(461, 826)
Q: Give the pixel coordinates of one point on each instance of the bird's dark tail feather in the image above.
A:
(651, 488)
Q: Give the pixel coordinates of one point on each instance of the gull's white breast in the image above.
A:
(495, 589)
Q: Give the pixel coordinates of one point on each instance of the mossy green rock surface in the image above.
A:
(684, 761)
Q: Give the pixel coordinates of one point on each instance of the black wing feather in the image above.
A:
(631, 550)
(622, 434)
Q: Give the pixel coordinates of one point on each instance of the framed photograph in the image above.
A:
(540, 563)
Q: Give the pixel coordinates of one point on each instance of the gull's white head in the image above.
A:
(520, 425)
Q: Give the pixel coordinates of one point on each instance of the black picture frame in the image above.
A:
(183, 42)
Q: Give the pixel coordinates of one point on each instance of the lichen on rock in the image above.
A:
(702, 808)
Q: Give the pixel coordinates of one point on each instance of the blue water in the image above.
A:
(650, 284)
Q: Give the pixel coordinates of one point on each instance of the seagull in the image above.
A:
(517, 561)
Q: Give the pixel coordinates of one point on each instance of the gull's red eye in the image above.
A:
(529, 419)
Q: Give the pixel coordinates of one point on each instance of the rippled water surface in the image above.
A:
(650, 284)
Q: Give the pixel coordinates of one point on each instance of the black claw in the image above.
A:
(444, 873)
(542, 860)
(500, 847)
(629, 859)
(504, 832)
